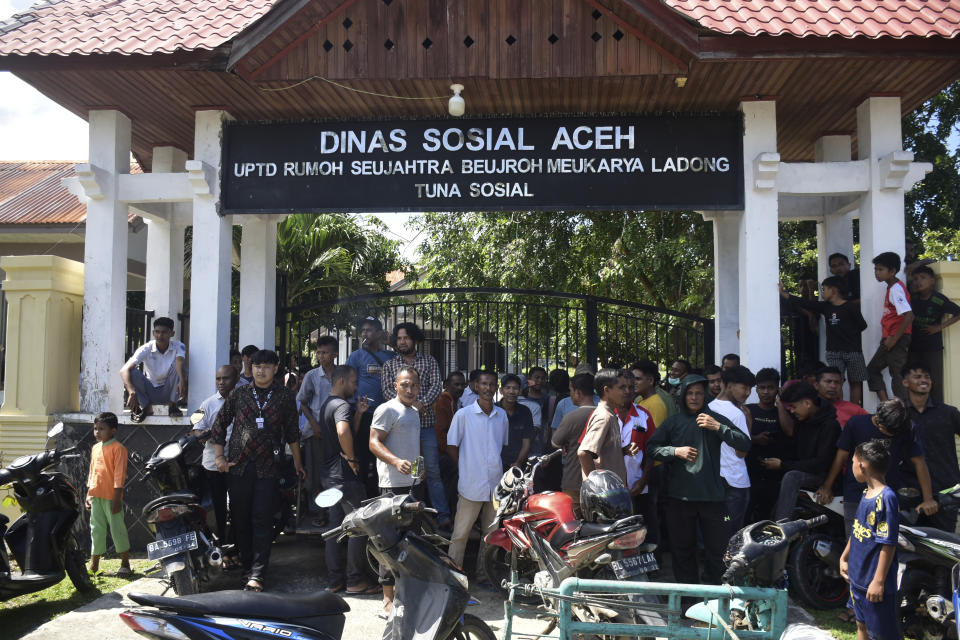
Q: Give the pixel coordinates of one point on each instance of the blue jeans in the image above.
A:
(149, 394)
(431, 460)
(737, 500)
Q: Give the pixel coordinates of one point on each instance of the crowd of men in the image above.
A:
(695, 455)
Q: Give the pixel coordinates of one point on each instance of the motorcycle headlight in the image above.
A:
(462, 579)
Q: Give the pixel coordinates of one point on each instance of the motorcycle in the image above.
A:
(814, 560)
(41, 540)
(927, 569)
(540, 536)
(184, 545)
(429, 602)
(756, 556)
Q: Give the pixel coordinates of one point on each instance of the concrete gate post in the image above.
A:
(759, 261)
(165, 244)
(45, 298)
(258, 282)
(881, 209)
(211, 262)
(948, 273)
(105, 263)
(726, 281)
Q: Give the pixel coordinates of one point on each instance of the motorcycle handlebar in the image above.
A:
(412, 507)
(332, 533)
(816, 522)
(735, 568)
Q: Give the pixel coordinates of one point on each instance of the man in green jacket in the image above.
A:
(688, 443)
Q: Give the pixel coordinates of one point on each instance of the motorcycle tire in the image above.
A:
(184, 581)
(808, 577)
(75, 564)
(495, 564)
(472, 628)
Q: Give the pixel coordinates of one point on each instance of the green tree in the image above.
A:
(333, 255)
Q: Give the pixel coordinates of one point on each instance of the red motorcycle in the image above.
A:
(539, 532)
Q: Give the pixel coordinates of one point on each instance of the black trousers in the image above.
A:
(682, 520)
(217, 486)
(252, 502)
(346, 560)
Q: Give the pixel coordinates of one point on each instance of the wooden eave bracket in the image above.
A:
(88, 182)
(765, 168)
(202, 177)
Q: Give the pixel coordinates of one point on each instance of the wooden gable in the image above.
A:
(508, 39)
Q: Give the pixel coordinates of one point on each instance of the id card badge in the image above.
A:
(259, 423)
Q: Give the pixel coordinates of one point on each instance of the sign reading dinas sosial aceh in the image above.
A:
(673, 161)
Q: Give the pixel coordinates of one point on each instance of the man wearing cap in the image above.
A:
(368, 361)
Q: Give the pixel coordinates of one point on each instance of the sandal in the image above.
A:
(336, 588)
(254, 584)
(137, 416)
(368, 590)
(848, 616)
(230, 563)
(124, 572)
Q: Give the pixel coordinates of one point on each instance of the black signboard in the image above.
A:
(671, 161)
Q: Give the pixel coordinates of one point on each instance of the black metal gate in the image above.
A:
(508, 329)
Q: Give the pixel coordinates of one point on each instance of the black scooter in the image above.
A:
(41, 540)
(185, 547)
(927, 557)
(431, 592)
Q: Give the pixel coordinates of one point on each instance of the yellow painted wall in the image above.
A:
(45, 304)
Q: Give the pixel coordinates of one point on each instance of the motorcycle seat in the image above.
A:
(177, 498)
(590, 529)
(939, 534)
(247, 604)
(564, 534)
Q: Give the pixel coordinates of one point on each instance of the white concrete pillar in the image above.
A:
(726, 281)
(881, 210)
(835, 231)
(759, 270)
(105, 266)
(258, 282)
(165, 244)
(211, 263)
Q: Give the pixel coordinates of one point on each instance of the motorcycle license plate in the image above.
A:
(172, 546)
(640, 563)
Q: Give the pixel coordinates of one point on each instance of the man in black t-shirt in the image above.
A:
(929, 308)
(768, 442)
(339, 469)
(840, 267)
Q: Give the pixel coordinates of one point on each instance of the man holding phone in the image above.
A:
(395, 441)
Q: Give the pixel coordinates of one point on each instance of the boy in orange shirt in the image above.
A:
(108, 472)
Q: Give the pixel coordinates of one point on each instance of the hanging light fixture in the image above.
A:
(456, 106)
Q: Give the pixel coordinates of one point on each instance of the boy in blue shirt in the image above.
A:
(869, 560)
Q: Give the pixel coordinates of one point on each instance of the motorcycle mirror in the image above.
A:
(55, 430)
(197, 417)
(328, 498)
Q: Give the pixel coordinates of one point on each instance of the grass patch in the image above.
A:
(25, 613)
(829, 620)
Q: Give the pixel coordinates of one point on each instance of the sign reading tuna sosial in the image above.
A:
(672, 161)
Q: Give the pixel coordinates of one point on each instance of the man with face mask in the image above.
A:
(675, 376)
(688, 444)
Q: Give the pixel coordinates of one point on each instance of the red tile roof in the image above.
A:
(64, 27)
(32, 193)
(846, 18)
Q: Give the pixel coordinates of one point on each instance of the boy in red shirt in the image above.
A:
(897, 323)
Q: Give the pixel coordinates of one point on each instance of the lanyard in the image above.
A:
(256, 397)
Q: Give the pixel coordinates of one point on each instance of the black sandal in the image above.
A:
(137, 416)
(254, 584)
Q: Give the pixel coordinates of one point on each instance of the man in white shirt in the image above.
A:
(469, 395)
(216, 482)
(737, 381)
(163, 379)
(477, 435)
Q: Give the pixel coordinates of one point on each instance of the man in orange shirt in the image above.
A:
(446, 406)
(108, 473)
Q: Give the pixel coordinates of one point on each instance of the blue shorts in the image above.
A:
(881, 618)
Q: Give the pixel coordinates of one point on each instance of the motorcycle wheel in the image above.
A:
(473, 628)
(495, 564)
(184, 581)
(809, 577)
(75, 564)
